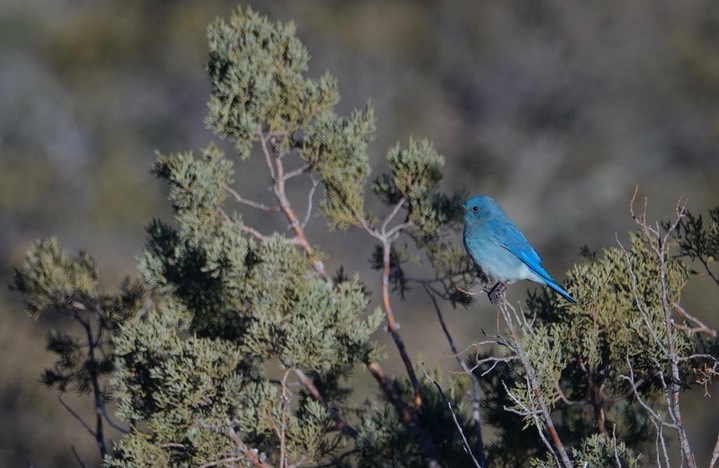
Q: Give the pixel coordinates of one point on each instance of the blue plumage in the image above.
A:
(499, 250)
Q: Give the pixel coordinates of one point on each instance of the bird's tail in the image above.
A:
(560, 290)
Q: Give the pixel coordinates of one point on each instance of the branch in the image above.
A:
(91, 368)
(479, 449)
(392, 324)
(283, 419)
(278, 187)
(658, 246)
(247, 453)
(715, 454)
(408, 416)
(340, 423)
(315, 183)
(393, 213)
(296, 172)
(253, 204)
(699, 326)
(507, 311)
(467, 448)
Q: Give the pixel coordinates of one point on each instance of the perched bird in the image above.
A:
(499, 250)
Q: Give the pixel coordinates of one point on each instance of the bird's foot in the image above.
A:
(496, 292)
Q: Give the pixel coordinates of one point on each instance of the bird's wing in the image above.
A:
(513, 240)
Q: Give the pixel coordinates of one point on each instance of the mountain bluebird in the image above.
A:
(499, 250)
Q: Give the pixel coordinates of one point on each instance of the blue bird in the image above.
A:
(499, 250)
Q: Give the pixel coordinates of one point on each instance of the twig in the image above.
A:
(392, 324)
(715, 454)
(408, 416)
(77, 417)
(672, 391)
(614, 445)
(533, 385)
(283, 419)
(700, 327)
(534, 414)
(476, 419)
(77, 457)
(315, 183)
(656, 419)
(391, 215)
(340, 423)
(248, 453)
(253, 204)
(223, 461)
(278, 187)
(465, 443)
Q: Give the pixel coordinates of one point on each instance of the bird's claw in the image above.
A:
(496, 292)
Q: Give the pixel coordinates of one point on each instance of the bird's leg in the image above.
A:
(496, 292)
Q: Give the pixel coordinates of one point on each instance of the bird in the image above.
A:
(499, 250)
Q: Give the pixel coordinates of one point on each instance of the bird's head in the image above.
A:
(480, 208)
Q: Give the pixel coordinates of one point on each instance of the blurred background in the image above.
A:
(558, 109)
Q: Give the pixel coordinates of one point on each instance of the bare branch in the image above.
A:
(715, 454)
(266, 152)
(467, 448)
(296, 172)
(699, 326)
(77, 417)
(507, 311)
(392, 233)
(473, 378)
(393, 213)
(253, 204)
(284, 409)
(392, 325)
(407, 414)
(77, 457)
(315, 183)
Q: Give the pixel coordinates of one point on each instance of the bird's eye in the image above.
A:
(475, 208)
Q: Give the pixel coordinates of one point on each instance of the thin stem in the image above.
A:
(340, 423)
(296, 172)
(91, 367)
(393, 327)
(283, 419)
(391, 216)
(315, 183)
(278, 187)
(253, 204)
(467, 448)
(715, 454)
(476, 419)
(658, 245)
(505, 308)
(408, 416)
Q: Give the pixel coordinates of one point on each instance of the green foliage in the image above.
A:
(237, 347)
(415, 174)
(53, 282)
(598, 451)
(337, 149)
(257, 71)
(587, 352)
(385, 442)
(51, 279)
